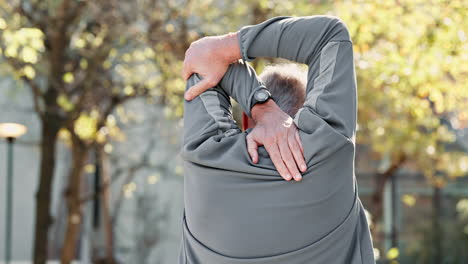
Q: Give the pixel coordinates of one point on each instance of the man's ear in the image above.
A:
(245, 121)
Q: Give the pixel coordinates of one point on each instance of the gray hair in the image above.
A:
(287, 85)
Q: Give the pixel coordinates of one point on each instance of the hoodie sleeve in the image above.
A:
(208, 117)
(324, 44)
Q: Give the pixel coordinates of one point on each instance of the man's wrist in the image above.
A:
(258, 111)
(228, 47)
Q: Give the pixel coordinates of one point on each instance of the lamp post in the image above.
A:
(9, 131)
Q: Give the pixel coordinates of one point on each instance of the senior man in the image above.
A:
(240, 202)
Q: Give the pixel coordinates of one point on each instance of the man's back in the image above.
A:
(237, 211)
(252, 212)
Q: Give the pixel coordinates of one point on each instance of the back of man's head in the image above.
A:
(287, 85)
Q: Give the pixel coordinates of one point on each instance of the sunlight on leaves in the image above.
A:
(153, 179)
(63, 102)
(24, 44)
(462, 208)
(129, 189)
(90, 168)
(393, 253)
(407, 82)
(408, 200)
(29, 72)
(68, 77)
(3, 24)
(85, 127)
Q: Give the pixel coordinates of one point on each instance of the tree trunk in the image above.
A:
(436, 225)
(74, 215)
(381, 180)
(395, 201)
(50, 128)
(104, 193)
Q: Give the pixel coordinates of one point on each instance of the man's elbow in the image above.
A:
(338, 28)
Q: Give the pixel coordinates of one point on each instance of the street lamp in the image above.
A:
(10, 131)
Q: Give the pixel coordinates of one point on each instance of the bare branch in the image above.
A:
(36, 94)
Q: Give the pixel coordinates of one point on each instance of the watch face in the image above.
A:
(261, 96)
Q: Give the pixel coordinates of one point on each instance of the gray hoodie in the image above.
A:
(236, 211)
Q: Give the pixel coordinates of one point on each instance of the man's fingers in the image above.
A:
(297, 153)
(252, 148)
(198, 88)
(275, 156)
(186, 72)
(186, 66)
(289, 160)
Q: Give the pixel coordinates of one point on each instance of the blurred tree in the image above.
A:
(412, 66)
(81, 59)
(454, 228)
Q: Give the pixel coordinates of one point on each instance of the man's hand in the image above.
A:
(276, 131)
(209, 57)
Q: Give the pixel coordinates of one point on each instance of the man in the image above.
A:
(238, 208)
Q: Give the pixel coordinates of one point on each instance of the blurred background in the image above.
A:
(93, 173)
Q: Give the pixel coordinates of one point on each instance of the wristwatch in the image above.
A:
(260, 96)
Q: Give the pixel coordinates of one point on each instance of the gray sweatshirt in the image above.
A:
(236, 211)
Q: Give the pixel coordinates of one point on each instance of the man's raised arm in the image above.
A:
(321, 42)
(324, 44)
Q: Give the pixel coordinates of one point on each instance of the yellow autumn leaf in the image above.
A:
(68, 77)
(393, 253)
(63, 102)
(408, 200)
(85, 127)
(29, 72)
